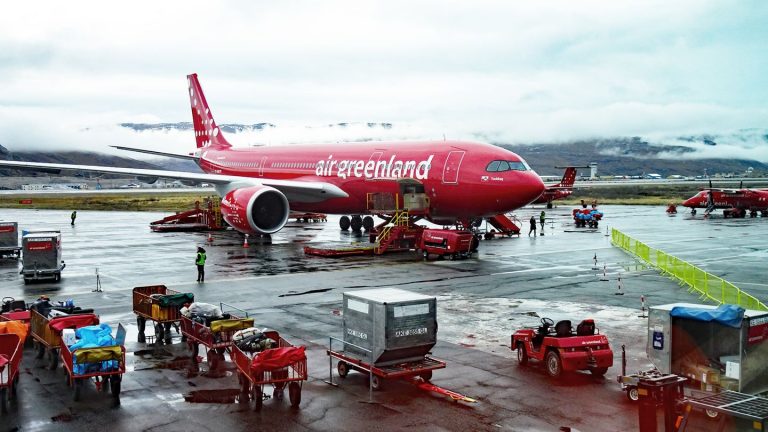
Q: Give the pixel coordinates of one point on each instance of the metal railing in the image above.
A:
(706, 284)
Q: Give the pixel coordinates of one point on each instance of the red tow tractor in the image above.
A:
(564, 350)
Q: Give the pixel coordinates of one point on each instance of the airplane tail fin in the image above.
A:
(207, 132)
(569, 177)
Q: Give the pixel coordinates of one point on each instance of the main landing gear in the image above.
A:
(356, 222)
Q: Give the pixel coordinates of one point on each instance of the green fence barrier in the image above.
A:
(706, 284)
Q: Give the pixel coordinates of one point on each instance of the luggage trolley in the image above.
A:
(11, 350)
(406, 370)
(161, 305)
(14, 310)
(217, 339)
(47, 332)
(252, 382)
(106, 365)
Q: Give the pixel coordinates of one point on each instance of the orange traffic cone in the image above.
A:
(210, 238)
(245, 242)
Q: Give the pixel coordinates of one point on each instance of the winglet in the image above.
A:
(207, 133)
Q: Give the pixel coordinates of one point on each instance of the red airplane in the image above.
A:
(559, 190)
(462, 181)
(736, 202)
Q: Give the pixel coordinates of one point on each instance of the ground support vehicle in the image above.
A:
(14, 310)
(252, 382)
(11, 351)
(587, 218)
(563, 350)
(108, 364)
(47, 332)
(716, 348)
(216, 338)
(160, 305)
(197, 219)
(452, 244)
(41, 257)
(9, 240)
(307, 217)
(406, 370)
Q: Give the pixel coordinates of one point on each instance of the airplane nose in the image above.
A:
(534, 187)
(689, 203)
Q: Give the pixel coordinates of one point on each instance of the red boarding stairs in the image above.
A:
(505, 224)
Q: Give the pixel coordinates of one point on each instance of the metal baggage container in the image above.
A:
(9, 239)
(395, 325)
(41, 258)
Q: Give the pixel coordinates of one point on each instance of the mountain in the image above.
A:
(629, 156)
(71, 157)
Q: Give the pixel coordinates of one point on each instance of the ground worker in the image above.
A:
(542, 219)
(533, 226)
(73, 217)
(200, 262)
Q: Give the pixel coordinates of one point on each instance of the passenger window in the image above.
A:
(493, 166)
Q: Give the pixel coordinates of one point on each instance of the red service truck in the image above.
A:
(446, 243)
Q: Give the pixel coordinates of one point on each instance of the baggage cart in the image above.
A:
(407, 370)
(216, 338)
(105, 365)
(9, 240)
(14, 310)
(161, 305)
(47, 335)
(252, 383)
(41, 257)
(11, 350)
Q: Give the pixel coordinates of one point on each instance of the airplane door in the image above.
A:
(375, 156)
(452, 165)
(261, 166)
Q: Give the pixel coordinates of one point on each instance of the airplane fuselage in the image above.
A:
(747, 199)
(454, 174)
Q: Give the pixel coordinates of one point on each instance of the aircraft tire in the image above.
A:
(344, 223)
(356, 223)
(368, 223)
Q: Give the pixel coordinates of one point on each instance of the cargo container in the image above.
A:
(729, 351)
(41, 256)
(9, 240)
(395, 325)
(715, 348)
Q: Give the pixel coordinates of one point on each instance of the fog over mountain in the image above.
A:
(689, 155)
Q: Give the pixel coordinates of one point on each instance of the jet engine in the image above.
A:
(255, 209)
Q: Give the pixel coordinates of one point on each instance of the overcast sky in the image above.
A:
(500, 71)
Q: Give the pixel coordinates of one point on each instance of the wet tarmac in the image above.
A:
(481, 301)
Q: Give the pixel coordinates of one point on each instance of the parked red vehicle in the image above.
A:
(451, 243)
(564, 350)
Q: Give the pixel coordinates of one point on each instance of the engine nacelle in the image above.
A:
(255, 209)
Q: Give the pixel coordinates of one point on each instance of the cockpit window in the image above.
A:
(493, 166)
(501, 166)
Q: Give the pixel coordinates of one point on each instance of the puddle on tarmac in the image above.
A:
(314, 291)
(223, 396)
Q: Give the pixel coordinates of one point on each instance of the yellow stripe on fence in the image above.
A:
(706, 284)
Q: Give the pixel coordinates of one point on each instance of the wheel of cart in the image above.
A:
(422, 368)
(11, 351)
(47, 333)
(216, 338)
(105, 365)
(160, 305)
(290, 370)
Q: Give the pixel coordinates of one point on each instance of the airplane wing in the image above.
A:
(156, 153)
(294, 190)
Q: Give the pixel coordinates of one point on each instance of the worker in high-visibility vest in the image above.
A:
(200, 262)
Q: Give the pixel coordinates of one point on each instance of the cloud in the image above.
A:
(515, 72)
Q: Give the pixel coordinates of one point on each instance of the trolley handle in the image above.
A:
(222, 304)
